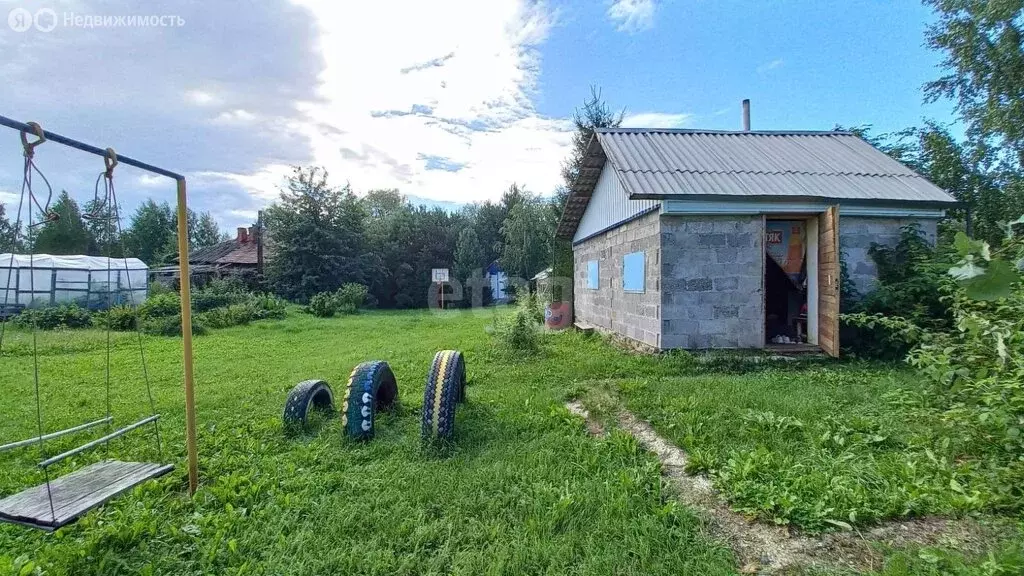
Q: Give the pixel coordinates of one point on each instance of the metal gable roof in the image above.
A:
(660, 163)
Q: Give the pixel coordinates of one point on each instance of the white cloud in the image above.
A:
(632, 15)
(657, 120)
(438, 103)
(455, 93)
(201, 98)
(151, 180)
(768, 66)
(236, 116)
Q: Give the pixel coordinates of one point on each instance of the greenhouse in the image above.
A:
(93, 282)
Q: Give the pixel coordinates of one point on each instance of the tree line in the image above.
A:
(151, 234)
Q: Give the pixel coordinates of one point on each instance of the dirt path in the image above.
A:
(765, 549)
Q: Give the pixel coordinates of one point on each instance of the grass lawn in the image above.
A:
(523, 489)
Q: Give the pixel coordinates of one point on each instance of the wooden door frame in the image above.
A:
(811, 220)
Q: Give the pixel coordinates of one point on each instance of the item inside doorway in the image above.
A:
(786, 281)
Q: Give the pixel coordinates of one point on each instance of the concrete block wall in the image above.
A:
(636, 316)
(856, 233)
(711, 282)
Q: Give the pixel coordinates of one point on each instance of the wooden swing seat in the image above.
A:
(76, 493)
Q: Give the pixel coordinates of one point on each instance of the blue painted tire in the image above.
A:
(371, 387)
(307, 396)
(445, 388)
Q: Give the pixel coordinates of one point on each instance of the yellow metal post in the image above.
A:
(186, 339)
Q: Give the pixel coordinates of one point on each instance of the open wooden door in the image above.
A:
(828, 281)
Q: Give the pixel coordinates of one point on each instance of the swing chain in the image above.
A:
(107, 176)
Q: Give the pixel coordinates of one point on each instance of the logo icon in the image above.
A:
(45, 20)
(20, 19)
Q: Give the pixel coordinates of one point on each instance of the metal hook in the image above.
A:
(31, 146)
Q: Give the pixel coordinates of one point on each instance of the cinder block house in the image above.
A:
(713, 239)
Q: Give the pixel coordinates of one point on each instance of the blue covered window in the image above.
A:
(593, 281)
(633, 272)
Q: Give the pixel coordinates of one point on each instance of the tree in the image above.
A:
(207, 232)
(66, 235)
(985, 62)
(9, 240)
(469, 254)
(104, 236)
(992, 196)
(151, 235)
(318, 236)
(594, 114)
(527, 232)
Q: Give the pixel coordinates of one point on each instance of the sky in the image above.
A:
(448, 101)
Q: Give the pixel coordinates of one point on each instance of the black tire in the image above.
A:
(308, 395)
(445, 388)
(371, 387)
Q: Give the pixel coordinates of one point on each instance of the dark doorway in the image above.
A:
(785, 290)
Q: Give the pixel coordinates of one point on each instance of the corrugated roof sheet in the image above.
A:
(826, 164)
(660, 163)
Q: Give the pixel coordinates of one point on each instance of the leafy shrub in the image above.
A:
(121, 318)
(346, 300)
(268, 306)
(233, 315)
(912, 291)
(170, 326)
(53, 317)
(322, 305)
(350, 298)
(159, 288)
(518, 332)
(161, 305)
(204, 300)
(533, 306)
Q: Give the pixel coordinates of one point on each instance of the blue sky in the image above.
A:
(804, 64)
(450, 100)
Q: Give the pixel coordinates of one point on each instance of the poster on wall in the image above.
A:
(785, 240)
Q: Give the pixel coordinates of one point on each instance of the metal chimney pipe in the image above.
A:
(746, 115)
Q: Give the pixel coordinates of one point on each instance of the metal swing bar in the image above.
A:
(183, 270)
(53, 435)
(116, 433)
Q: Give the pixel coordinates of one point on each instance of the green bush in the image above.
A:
(161, 305)
(350, 298)
(204, 300)
(121, 318)
(233, 315)
(518, 332)
(322, 305)
(53, 317)
(170, 326)
(912, 291)
(533, 305)
(346, 300)
(268, 306)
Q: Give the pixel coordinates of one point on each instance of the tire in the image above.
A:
(308, 395)
(445, 388)
(371, 387)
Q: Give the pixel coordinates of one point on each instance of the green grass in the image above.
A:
(522, 490)
(814, 446)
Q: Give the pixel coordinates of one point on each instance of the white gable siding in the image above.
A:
(609, 205)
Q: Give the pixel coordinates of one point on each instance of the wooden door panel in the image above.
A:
(828, 281)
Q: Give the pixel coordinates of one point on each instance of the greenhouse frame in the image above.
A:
(93, 282)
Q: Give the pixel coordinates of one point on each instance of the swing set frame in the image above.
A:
(183, 272)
